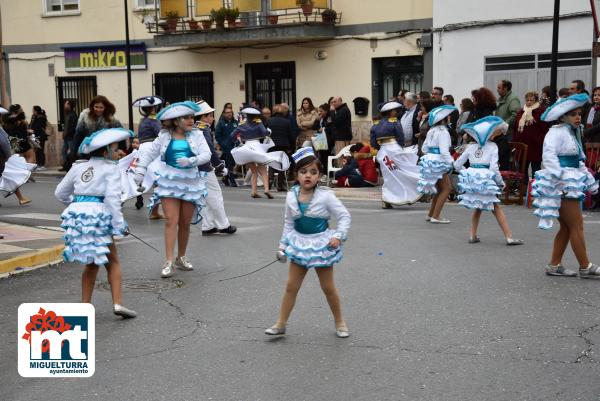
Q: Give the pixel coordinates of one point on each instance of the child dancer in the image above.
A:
(92, 190)
(437, 163)
(479, 184)
(308, 241)
(179, 187)
(560, 186)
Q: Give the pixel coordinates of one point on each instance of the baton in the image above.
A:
(143, 242)
(252, 272)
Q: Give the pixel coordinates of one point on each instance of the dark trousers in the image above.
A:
(65, 152)
(535, 166)
(281, 176)
(40, 156)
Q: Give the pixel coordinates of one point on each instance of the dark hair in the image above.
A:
(506, 84)
(356, 147)
(467, 104)
(325, 106)
(99, 152)
(427, 105)
(71, 103)
(563, 92)
(109, 108)
(595, 89)
(580, 84)
(39, 110)
(424, 95)
(484, 98)
(311, 106)
(450, 98)
(547, 90)
(439, 89)
(305, 162)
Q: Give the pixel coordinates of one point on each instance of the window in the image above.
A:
(61, 6)
(142, 4)
(80, 90)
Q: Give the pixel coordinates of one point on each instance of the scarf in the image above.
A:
(527, 117)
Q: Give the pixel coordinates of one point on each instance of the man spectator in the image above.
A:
(225, 127)
(437, 96)
(577, 86)
(449, 100)
(400, 97)
(423, 95)
(410, 119)
(563, 92)
(342, 121)
(508, 105)
(285, 110)
(68, 152)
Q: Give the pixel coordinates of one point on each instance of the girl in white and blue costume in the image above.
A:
(92, 189)
(307, 239)
(436, 163)
(480, 184)
(562, 183)
(180, 187)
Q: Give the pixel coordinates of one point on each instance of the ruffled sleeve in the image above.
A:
(550, 153)
(112, 200)
(460, 162)
(150, 153)
(341, 214)
(444, 142)
(288, 220)
(494, 164)
(66, 187)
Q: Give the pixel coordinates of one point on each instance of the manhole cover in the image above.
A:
(144, 285)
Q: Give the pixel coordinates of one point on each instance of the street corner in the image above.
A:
(24, 248)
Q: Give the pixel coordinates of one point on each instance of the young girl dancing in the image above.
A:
(307, 240)
(93, 191)
(480, 184)
(437, 163)
(560, 186)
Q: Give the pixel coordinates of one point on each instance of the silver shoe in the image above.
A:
(275, 331)
(474, 240)
(439, 221)
(167, 269)
(183, 263)
(514, 241)
(342, 332)
(120, 310)
(592, 271)
(559, 270)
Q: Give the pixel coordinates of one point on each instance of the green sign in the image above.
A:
(104, 58)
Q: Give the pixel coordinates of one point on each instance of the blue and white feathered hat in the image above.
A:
(391, 105)
(104, 137)
(204, 108)
(439, 113)
(302, 153)
(564, 105)
(148, 101)
(253, 111)
(178, 109)
(482, 129)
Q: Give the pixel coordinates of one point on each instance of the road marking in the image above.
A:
(35, 216)
(592, 222)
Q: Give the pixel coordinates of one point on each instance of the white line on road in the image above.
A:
(35, 216)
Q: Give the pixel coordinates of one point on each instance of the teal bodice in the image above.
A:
(309, 225)
(569, 160)
(177, 148)
(481, 165)
(88, 198)
(434, 149)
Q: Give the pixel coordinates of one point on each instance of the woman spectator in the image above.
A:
(99, 115)
(426, 107)
(306, 118)
(325, 124)
(531, 130)
(15, 125)
(466, 108)
(68, 150)
(281, 134)
(37, 127)
(591, 121)
(546, 97)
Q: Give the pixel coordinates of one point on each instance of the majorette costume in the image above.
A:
(398, 164)
(479, 185)
(564, 174)
(255, 138)
(306, 232)
(174, 180)
(214, 217)
(16, 169)
(92, 190)
(437, 160)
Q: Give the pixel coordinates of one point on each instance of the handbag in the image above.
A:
(319, 141)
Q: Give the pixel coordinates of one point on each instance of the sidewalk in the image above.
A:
(49, 172)
(25, 247)
(373, 193)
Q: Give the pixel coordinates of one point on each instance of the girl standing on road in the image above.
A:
(480, 183)
(437, 163)
(93, 217)
(179, 187)
(562, 183)
(307, 240)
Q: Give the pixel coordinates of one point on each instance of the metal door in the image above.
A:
(81, 90)
(178, 87)
(271, 83)
(392, 74)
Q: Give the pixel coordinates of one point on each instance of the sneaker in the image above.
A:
(167, 269)
(183, 263)
(592, 271)
(474, 240)
(212, 231)
(559, 270)
(228, 230)
(439, 221)
(120, 310)
(275, 331)
(514, 241)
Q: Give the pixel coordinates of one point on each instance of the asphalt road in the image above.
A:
(431, 317)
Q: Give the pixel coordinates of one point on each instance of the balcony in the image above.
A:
(240, 22)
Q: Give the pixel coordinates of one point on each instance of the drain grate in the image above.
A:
(144, 285)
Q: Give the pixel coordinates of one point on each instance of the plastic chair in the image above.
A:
(515, 177)
(592, 153)
(330, 168)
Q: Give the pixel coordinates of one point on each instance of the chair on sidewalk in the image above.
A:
(345, 151)
(515, 177)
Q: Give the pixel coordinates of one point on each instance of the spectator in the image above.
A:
(342, 121)
(437, 96)
(424, 95)
(400, 97)
(306, 118)
(591, 120)
(15, 125)
(449, 100)
(466, 108)
(508, 105)
(366, 164)
(295, 129)
(351, 174)
(325, 123)
(576, 87)
(410, 119)
(531, 130)
(546, 96)
(484, 103)
(426, 107)
(37, 127)
(99, 115)
(266, 114)
(281, 134)
(225, 127)
(68, 151)
(563, 92)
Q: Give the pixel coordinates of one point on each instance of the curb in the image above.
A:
(48, 174)
(36, 259)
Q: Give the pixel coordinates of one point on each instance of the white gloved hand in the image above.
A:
(224, 172)
(185, 161)
(138, 175)
(281, 256)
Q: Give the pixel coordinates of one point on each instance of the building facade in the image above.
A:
(73, 49)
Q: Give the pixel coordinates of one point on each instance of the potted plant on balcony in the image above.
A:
(207, 23)
(231, 15)
(219, 17)
(273, 19)
(172, 20)
(194, 24)
(306, 5)
(329, 16)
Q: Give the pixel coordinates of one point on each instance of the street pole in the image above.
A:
(554, 62)
(128, 59)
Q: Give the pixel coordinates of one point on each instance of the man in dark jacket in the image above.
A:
(225, 127)
(67, 151)
(282, 136)
(342, 121)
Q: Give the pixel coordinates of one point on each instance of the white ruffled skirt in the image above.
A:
(431, 170)
(16, 173)
(478, 189)
(88, 233)
(548, 191)
(129, 188)
(255, 152)
(400, 173)
(311, 250)
(187, 184)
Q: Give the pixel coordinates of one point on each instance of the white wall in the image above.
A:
(458, 56)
